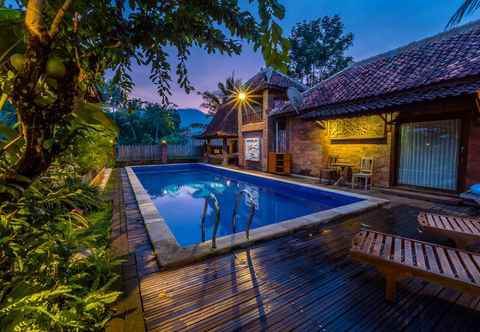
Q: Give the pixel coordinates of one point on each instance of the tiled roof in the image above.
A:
(223, 124)
(277, 80)
(447, 64)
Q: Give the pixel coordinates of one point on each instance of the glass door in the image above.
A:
(429, 154)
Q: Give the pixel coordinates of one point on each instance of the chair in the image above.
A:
(365, 173)
(398, 257)
(463, 231)
(330, 173)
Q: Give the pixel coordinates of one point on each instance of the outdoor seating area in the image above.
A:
(312, 280)
(343, 173)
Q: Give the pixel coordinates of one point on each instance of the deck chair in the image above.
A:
(398, 257)
(365, 173)
(330, 173)
(470, 196)
(464, 231)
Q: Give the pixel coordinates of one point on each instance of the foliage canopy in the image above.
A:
(317, 49)
(69, 45)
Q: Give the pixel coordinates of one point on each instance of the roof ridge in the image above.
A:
(289, 77)
(447, 56)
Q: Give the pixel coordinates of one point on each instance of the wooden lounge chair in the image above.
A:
(463, 231)
(398, 257)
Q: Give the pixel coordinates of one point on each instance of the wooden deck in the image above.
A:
(305, 281)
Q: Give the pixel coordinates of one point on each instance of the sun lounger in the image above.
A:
(463, 231)
(398, 257)
(469, 196)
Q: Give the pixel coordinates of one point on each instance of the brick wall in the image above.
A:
(310, 148)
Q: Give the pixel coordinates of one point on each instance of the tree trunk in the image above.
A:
(40, 124)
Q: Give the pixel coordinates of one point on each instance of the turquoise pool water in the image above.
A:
(179, 193)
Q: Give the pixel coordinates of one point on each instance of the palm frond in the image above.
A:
(467, 8)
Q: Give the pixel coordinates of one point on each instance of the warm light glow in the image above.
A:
(242, 96)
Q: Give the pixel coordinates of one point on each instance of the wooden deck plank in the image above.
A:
(387, 249)
(457, 264)
(419, 255)
(397, 250)
(474, 271)
(408, 252)
(431, 259)
(444, 262)
(433, 313)
(299, 282)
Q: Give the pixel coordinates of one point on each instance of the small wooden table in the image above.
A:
(343, 174)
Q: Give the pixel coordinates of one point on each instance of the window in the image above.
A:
(429, 154)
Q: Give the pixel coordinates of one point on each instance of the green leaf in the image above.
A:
(9, 16)
(93, 114)
(7, 132)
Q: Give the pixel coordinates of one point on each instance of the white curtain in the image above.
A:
(429, 154)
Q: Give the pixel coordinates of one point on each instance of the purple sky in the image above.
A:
(377, 26)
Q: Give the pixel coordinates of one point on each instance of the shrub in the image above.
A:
(56, 270)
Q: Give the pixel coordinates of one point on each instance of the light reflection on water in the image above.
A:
(180, 197)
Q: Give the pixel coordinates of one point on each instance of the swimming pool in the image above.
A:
(182, 201)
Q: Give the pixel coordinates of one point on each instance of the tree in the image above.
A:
(213, 99)
(69, 44)
(317, 49)
(141, 122)
(466, 8)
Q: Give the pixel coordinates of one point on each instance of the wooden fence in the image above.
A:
(190, 150)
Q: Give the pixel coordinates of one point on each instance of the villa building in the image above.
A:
(414, 110)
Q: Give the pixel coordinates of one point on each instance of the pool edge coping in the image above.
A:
(170, 253)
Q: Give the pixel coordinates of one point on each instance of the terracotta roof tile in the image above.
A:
(223, 124)
(447, 64)
(277, 80)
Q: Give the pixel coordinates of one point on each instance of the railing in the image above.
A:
(251, 116)
(252, 208)
(211, 197)
(192, 149)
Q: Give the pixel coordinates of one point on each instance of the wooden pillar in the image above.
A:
(225, 152)
(206, 152)
(267, 103)
(164, 152)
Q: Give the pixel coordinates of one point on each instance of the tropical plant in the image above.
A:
(56, 269)
(225, 91)
(466, 8)
(145, 123)
(317, 49)
(51, 75)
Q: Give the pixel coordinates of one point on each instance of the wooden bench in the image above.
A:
(398, 257)
(463, 231)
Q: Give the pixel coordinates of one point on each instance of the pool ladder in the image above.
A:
(252, 208)
(211, 197)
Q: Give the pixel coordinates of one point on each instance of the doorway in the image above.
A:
(429, 154)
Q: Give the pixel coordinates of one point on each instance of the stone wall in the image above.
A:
(310, 148)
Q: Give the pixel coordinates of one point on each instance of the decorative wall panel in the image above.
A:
(365, 127)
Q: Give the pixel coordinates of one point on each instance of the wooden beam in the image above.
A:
(320, 124)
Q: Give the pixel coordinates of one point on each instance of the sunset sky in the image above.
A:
(377, 26)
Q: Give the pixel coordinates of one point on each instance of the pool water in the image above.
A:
(179, 193)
